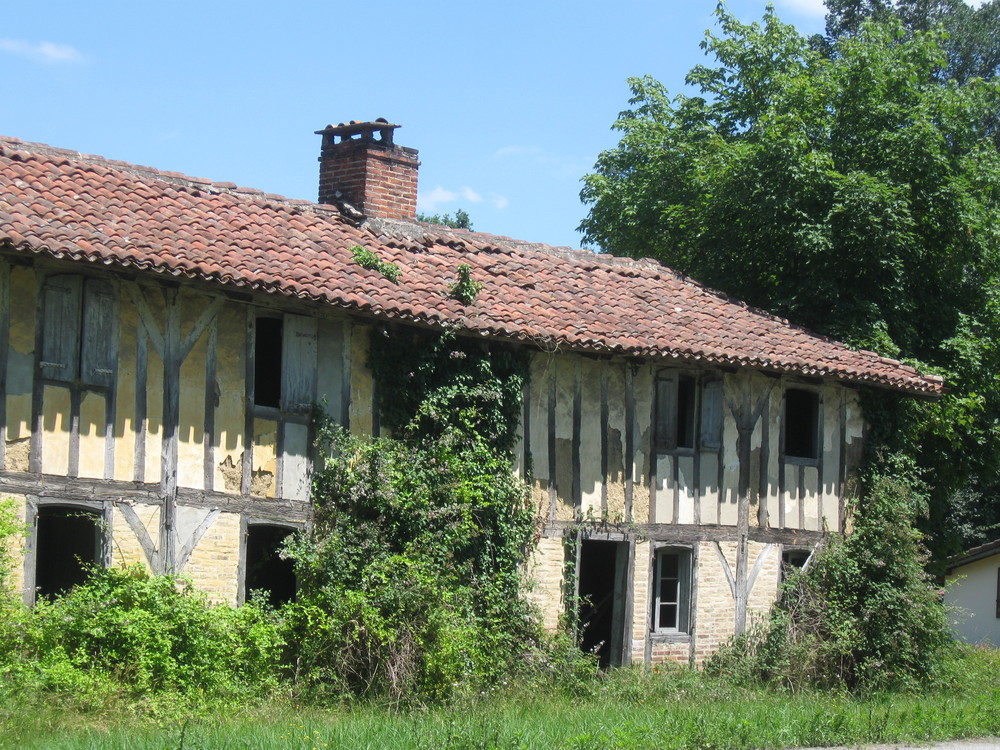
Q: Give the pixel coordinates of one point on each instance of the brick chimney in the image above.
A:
(359, 164)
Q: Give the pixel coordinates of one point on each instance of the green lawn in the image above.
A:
(626, 709)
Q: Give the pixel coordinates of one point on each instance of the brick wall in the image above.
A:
(378, 180)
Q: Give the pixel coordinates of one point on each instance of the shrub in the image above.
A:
(143, 635)
(864, 616)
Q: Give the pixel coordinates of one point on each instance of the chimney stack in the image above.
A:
(361, 165)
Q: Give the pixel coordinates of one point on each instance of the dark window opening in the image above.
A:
(69, 541)
(793, 559)
(602, 596)
(801, 423)
(267, 363)
(266, 570)
(673, 573)
(685, 411)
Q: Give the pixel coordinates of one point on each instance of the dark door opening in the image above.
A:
(266, 571)
(602, 579)
(68, 541)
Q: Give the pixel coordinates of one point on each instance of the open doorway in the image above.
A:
(68, 541)
(265, 569)
(603, 588)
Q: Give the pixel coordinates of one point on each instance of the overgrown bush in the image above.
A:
(864, 616)
(410, 575)
(127, 633)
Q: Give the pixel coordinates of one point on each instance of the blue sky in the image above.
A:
(508, 103)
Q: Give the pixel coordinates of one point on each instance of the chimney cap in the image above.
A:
(366, 131)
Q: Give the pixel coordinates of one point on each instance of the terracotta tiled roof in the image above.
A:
(67, 205)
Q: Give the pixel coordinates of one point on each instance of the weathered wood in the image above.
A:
(526, 459)
(141, 405)
(74, 432)
(345, 386)
(149, 548)
(248, 408)
(298, 363)
(99, 347)
(58, 327)
(207, 317)
(83, 490)
(820, 448)
(605, 419)
(758, 565)
(37, 387)
(192, 541)
(730, 579)
(577, 419)
(4, 354)
(680, 533)
(553, 481)
(147, 319)
(693, 604)
(171, 356)
(212, 396)
(629, 441)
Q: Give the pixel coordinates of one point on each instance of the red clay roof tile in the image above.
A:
(65, 204)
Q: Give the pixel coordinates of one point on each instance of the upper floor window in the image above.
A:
(672, 603)
(688, 412)
(801, 424)
(285, 362)
(78, 341)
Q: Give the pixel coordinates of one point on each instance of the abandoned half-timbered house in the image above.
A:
(163, 339)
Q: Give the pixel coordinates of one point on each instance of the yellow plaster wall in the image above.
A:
(565, 373)
(55, 430)
(538, 381)
(616, 439)
(265, 458)
(154, 415)
(92, 434)
(230, 390)
(361, 382)
(590, 435)
(642, 384)
(125, 389)
(191, 425)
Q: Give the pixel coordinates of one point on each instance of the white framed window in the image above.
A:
(688, 412)
(672, 601)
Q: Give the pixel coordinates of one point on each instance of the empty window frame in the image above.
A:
(793, 559)
(688, 412)
(266, 571)
(801, 424)
(285, 363)
(69, 540)
(78, 331)
(672, 603)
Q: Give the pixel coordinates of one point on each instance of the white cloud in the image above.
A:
(440, 197)
(46, 52)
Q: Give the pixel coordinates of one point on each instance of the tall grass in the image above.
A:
(624, 709)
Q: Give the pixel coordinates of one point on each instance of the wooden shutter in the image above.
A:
(666, 412)
(711, 414)
(298, 364)
(60, 355)
(99, 357)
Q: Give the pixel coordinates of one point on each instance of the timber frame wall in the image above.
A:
(167, 444)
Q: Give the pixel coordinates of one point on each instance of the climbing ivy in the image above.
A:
(410, 578)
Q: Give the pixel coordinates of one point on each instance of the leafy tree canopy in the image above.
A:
(460, 220)
(973, 34)
(848, 189)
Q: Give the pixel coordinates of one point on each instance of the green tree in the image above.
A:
(460, 220)
(849, 190)
(973, 34)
